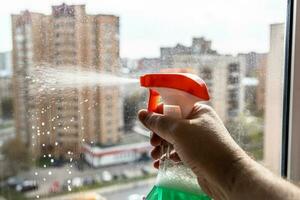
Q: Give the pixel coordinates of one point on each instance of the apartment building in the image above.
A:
(59, 122)
(223, 74)
(274, 98)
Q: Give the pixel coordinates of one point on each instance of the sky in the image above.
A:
(234, 26)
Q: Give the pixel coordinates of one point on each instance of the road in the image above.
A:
(46, 176)
(119, 192)
(124, 194)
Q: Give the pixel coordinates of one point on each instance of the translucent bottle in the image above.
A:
(175, 181)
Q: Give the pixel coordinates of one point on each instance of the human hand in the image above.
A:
(202, 143)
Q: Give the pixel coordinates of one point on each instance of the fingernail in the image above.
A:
(142, 115)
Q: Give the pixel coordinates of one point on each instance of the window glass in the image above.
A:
(69, 93)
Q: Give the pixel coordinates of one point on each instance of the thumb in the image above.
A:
(164, 126)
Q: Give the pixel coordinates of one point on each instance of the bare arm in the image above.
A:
(223, 169)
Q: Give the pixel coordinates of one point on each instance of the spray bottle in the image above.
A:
(178, 92)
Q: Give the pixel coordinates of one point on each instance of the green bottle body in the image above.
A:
(175, 181)
(163, 193)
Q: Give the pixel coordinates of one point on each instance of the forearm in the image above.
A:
(256, 182)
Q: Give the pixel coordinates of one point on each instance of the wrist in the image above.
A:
(242, 170)
(232, 175)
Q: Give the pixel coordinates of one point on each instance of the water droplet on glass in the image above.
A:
(52, 160)
(49, 173)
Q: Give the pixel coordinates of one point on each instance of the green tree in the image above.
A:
(16, 155)
(7, 107)
(132, 104)
(247, 131)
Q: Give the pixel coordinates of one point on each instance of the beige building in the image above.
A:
(274, 99)
(223, 74)
(261, 87)
(68, 38)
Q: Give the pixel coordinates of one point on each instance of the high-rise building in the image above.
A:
(274, 98)
(69, 38)
(261, 87)
(253, 61)
(148, 65)
(255, 68)
(223, 74)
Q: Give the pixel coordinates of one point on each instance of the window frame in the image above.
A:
(290, 166)
(287, 88)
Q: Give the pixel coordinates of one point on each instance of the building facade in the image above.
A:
(274, 98)
(59, 122)
(223, 74)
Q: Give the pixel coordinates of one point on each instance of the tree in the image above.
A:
(247, 131)
(16, 155)
(7, 107)
(132, 104)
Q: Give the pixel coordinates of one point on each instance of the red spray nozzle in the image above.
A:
(189, 83)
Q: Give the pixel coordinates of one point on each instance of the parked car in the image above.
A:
(89, 181)
(12, 182)
(106, 176)
(27, 185)
(135, 197)
(117, 176)
(55, 187)
(148, 170)
(98, 178)
(128, 174)
(77, 182)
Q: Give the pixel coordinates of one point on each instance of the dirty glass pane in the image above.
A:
(69, 88)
